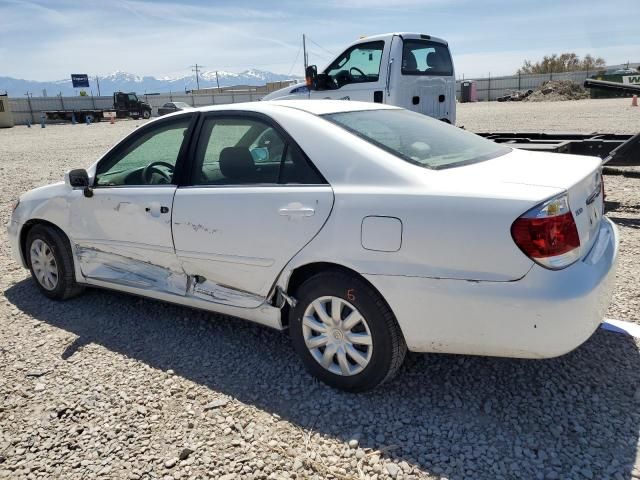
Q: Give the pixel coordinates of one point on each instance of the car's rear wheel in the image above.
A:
(51, 262)
(345, 333)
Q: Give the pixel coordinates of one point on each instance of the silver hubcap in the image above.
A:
(337, 336)
(44, 264)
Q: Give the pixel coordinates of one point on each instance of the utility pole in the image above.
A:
(304, 53)
(98, 83)
(217, 81)
(196, 68)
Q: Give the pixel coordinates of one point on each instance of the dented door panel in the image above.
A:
(122, 236)
(236, 240)
(132, 268)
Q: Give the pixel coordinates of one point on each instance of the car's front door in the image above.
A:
(122, 232)
(254, 200)
(357, 74)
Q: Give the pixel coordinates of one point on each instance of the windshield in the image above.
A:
(181, 105)
(425, 57)
(417, 138)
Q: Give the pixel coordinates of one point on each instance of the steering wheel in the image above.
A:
(149, 170)
(360, 72)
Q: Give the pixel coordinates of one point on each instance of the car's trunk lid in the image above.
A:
(579, 176)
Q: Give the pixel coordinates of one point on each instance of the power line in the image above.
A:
(321, 47)
(196, 68)
(295, 61)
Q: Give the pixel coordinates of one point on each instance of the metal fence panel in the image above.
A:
(29, 109)
(493, 87)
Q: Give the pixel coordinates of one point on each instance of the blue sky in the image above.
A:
(48, 40)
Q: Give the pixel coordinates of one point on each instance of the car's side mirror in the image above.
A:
(79, 179)
(311, 73)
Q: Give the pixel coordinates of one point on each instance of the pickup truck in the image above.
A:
(409, 70)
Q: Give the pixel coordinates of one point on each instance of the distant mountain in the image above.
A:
(127, 82)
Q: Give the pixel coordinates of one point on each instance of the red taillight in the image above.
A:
(548, 234)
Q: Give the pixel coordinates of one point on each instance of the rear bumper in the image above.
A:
(544, 314)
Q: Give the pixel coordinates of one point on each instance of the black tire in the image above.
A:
(146, 114)
(66, 286)
(388, 345)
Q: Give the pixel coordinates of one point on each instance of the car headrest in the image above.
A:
(236, 163)
(409, 62)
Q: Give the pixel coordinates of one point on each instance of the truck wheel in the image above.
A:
(345, 333)
(146, 114)
(51, 263)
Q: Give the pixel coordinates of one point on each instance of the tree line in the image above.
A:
(565, 62)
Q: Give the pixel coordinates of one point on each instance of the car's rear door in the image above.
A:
(253, 201)
(122, 232)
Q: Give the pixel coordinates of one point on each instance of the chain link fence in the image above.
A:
(30, 109)
(490, 88)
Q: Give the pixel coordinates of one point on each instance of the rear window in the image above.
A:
(418, 139)
(424, 57)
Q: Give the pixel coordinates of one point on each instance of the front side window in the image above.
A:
(150, 159)
(418, 139)
(246, 151)
(360, 63)
(425, 57)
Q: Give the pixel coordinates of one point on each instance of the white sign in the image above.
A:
(631, 79)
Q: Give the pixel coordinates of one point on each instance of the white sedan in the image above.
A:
(363, 229)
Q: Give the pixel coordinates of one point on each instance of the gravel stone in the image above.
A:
(184, 453)
(216, 404)
(392, 469)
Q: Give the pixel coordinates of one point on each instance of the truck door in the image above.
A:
(423, 80)
(359, 73)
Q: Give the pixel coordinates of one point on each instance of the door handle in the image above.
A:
(296, 211)
(154, 209)
(162, 209)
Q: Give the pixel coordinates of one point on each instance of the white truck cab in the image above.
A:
(409, 70)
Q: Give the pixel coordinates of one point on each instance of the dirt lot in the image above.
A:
(112, 386)
(614, 115)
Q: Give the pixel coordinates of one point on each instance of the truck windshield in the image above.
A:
(425, 57)
(417, 138)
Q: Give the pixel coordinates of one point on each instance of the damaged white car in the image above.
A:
(363, 229)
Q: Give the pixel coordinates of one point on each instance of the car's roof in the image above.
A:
(315, 107)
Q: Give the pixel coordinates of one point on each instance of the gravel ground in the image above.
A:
(614, 115)
(113, 386)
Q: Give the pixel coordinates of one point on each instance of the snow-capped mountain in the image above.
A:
(128, 82)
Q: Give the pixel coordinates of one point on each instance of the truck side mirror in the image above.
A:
(311, 73)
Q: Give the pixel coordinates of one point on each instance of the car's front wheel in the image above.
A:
(51, 263)
(345, 333)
